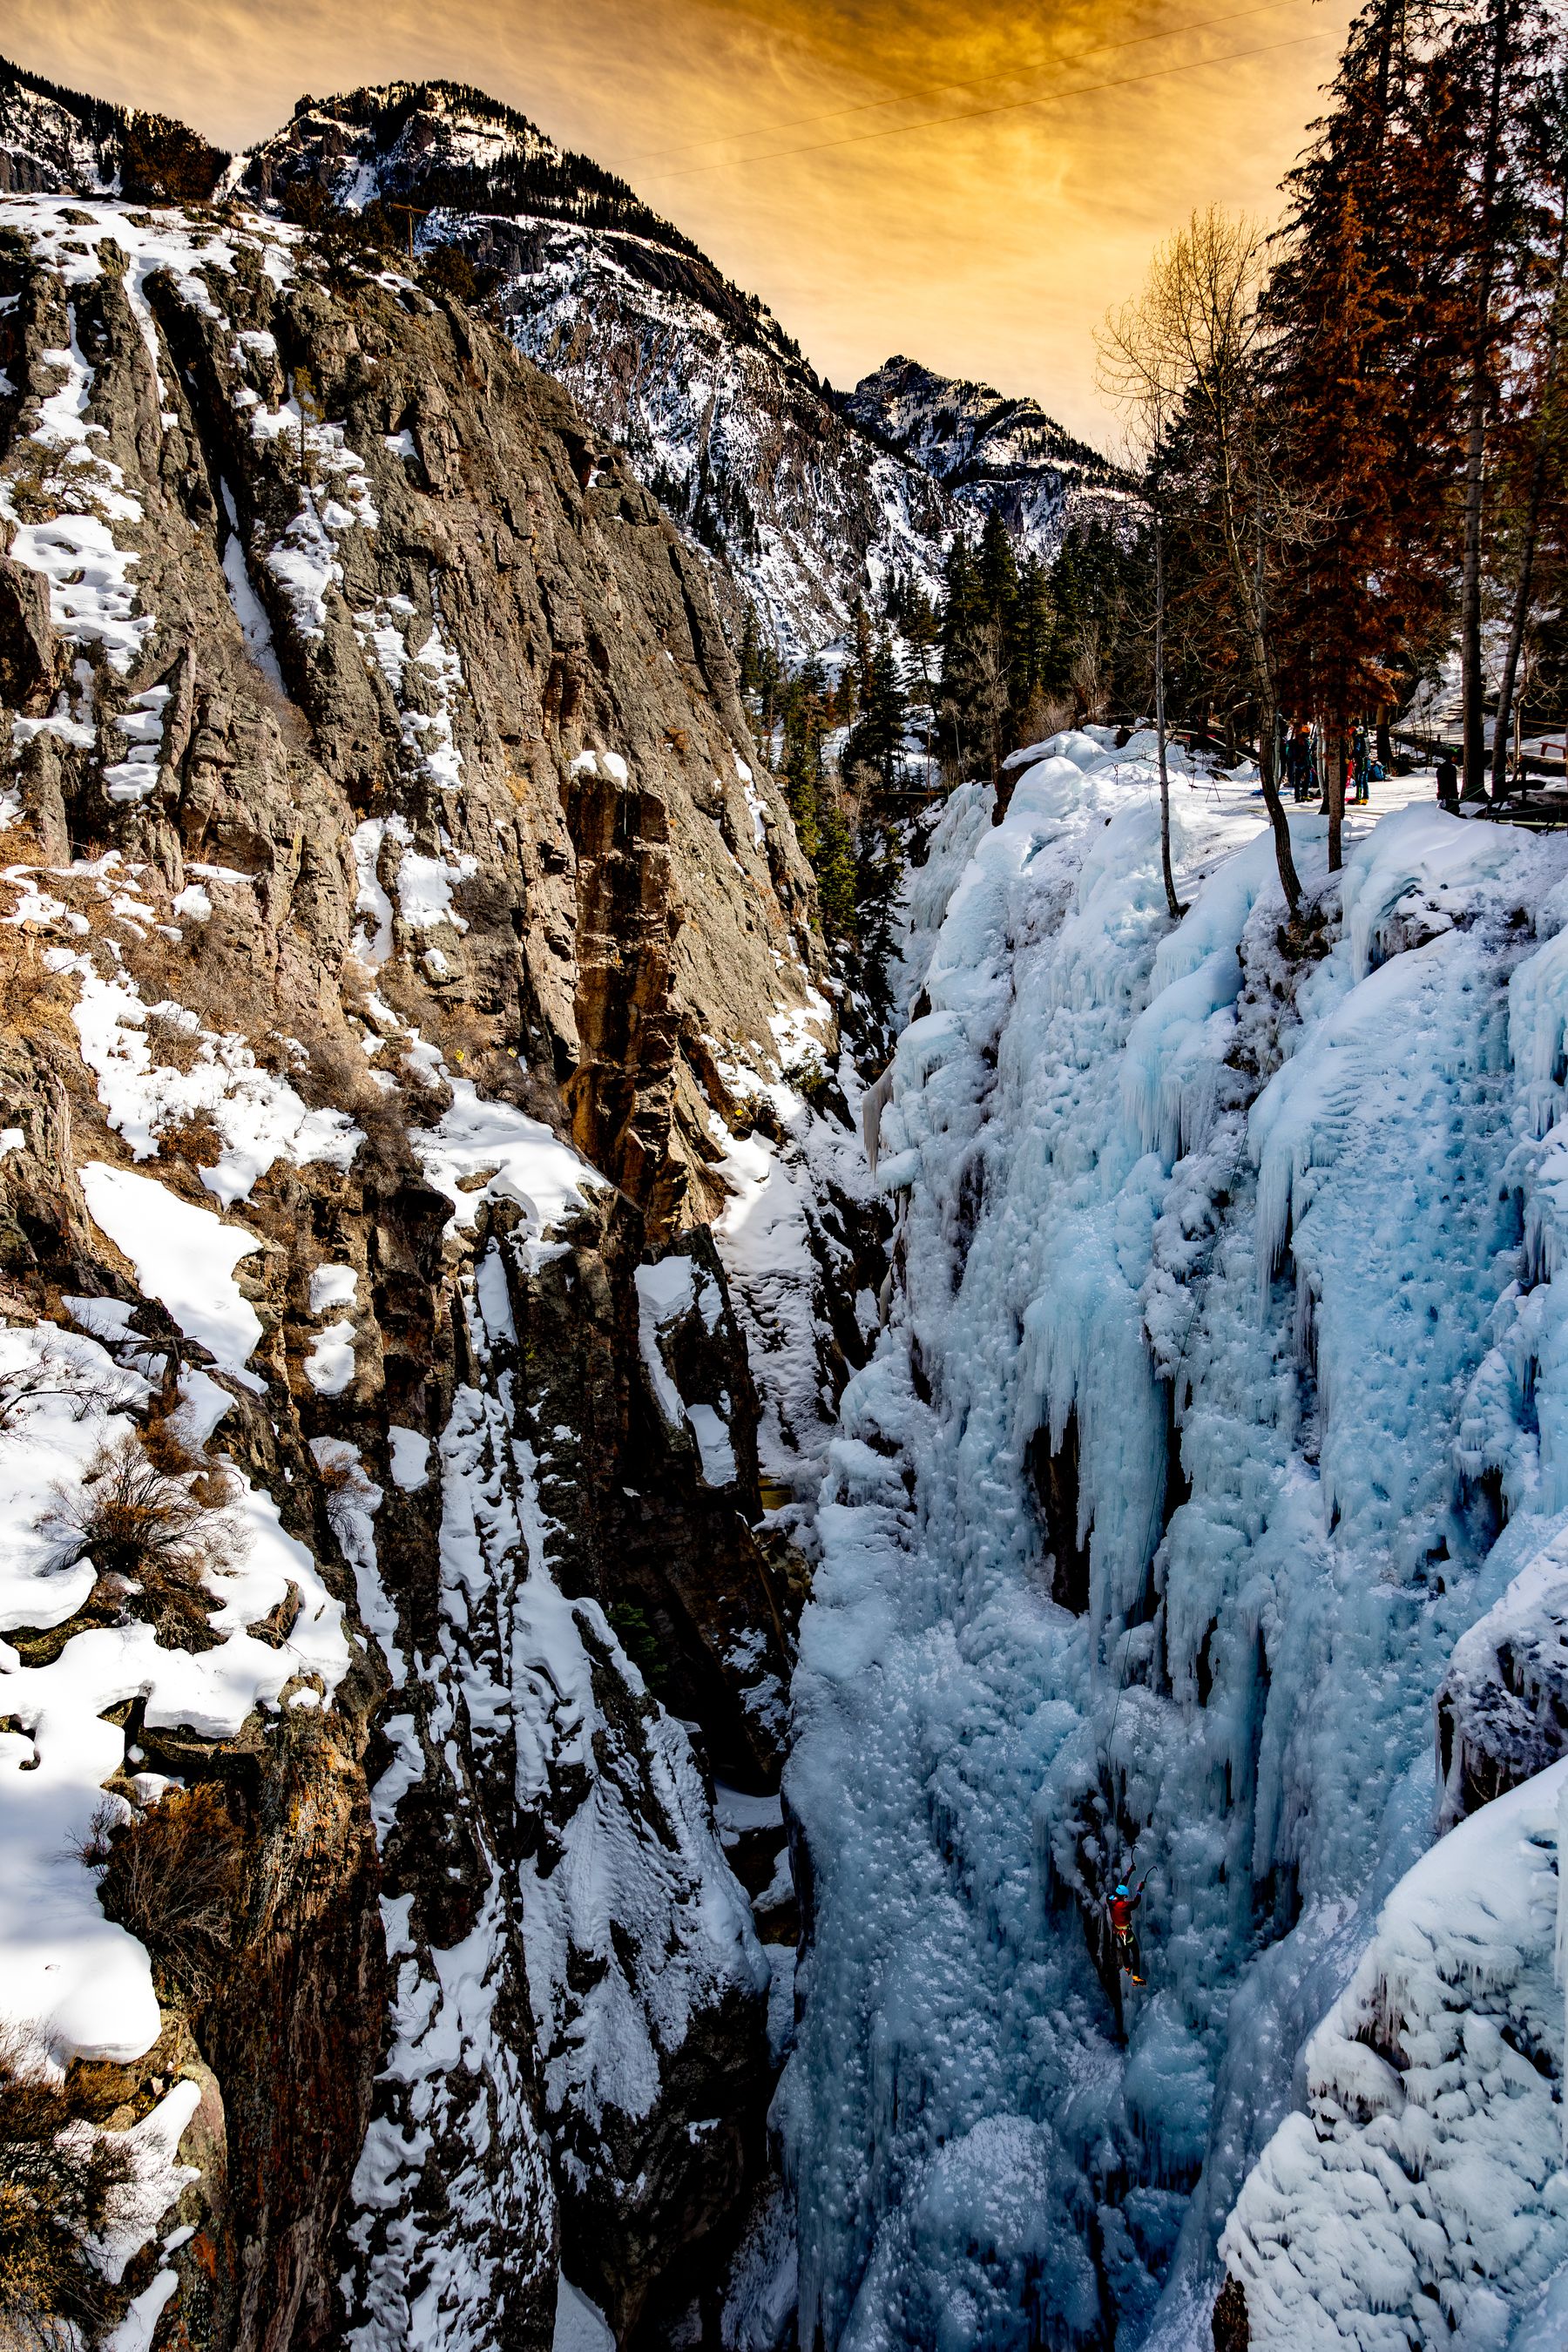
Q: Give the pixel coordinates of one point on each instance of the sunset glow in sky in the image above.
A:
(890, 175)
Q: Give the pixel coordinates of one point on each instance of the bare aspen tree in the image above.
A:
(1145, 378)
(1191, 347)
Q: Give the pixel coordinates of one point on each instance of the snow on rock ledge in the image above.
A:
(1503, 1712)
(1421, 2199)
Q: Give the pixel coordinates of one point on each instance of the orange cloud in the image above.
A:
(973, 187)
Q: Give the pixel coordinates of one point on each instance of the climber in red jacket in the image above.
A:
(1123, 1905)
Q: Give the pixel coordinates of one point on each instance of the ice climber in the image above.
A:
(1122, 1906)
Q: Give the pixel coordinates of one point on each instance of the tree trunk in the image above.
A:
(1521, 613)
(1336, 756)
(1474, 787)
(1172, 901)
(1249, 599)
(1267, 729)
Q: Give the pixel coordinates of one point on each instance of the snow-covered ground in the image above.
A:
(1228, 1278)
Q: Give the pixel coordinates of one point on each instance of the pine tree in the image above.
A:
(1533, 463)
(922, 637)
(1397, 296)
(880, 850)
(996, 574)
(1497, 53)
(861, 620)
(836, 866)
(962, 615)
(878, 742)
(805, 728)
(1034, 632)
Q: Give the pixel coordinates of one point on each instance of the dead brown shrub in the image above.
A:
(173, 1044)
(196, 1140)
(157, 1536)
(336, 1076)
(342, 1482)
(167, 1448)
(34, 1002)
(51, 1372)
(61, 2184)
(173, 1876)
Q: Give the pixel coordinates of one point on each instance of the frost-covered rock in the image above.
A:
(1421, 2199)
(388, 869)
(589, 1893)
(1502, 1711)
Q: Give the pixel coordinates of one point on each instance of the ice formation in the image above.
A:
(1422, 2197)
(1226, 1320)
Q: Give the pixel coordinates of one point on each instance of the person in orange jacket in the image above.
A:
(1122, 1906)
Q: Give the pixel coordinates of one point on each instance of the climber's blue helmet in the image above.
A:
(1121, 1890)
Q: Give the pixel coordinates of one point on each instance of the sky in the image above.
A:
(970, 182)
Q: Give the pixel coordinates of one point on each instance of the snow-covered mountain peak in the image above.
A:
(54, 141)
(959, 429)
(442, 145)
(810, 501)
(990, 449)
(43, 143)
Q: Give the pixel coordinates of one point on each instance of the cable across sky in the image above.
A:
(1008, 106)
(975, 81)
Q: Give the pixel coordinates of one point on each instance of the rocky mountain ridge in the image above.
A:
(713, 402)
(809, 500)
(993, 452)
(53, 139)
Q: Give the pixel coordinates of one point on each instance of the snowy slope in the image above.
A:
(809, 500)
(440, 143)
(992, 452)
(54, 140)
(1149, 1532)
(734, 433)
(266, 1178)
(46, 143)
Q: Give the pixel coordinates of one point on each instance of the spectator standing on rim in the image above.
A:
(1448, 783)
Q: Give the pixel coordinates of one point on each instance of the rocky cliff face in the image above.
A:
(402, 950)
(53, 139)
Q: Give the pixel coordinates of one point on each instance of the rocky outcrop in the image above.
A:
(809, 500)
(53, 139)
(1502, 1708)
(389, 868)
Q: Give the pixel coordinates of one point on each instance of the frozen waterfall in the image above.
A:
(1227, 1328)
